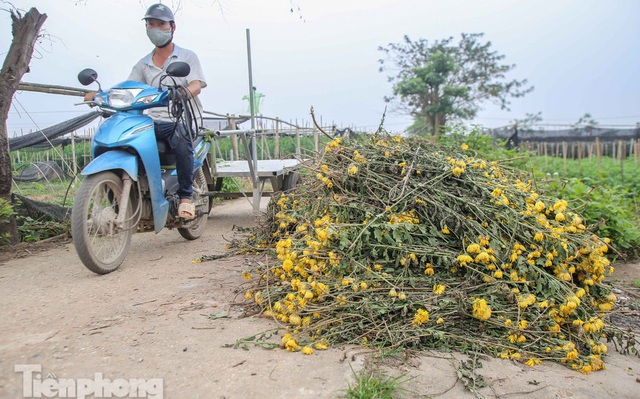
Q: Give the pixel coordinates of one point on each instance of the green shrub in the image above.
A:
(607, 210)
(6, 211)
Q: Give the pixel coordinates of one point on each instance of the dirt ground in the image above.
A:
(160, 316)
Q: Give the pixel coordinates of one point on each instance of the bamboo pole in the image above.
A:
(52, 89)
(564, 156)
(234, 138)
(598, 153)
(580, 147)
(621, 156)
(276, 146)
(263, 144)
(315, 139)
(298, 152)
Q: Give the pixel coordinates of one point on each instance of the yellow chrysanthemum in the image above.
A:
(456, 171)
(474, 249)
(533, 362)
(421, 317)
(464, 259)
(481, 310)
(438, 289)
(320, 345)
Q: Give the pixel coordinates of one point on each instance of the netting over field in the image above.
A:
(585, 133)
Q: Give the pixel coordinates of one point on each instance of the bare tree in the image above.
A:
(25, 30)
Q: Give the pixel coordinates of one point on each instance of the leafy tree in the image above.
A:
(528, 122)
(585, 120)
(439, 81)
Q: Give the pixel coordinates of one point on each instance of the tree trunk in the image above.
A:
(25, 30)
(431, 124)
(442, 120)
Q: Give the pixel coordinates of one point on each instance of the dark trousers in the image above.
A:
(183, 149)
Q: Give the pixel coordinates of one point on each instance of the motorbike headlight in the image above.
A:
(147, 99)
(122, 98)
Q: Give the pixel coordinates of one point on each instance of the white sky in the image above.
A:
(581, 56)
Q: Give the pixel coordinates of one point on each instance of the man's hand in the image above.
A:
(90, 96)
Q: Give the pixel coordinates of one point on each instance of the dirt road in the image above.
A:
(165, 320)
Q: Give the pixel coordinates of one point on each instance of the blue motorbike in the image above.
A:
(131, 183)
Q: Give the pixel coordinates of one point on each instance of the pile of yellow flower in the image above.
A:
(397, 242)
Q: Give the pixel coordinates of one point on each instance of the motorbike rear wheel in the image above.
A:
(196, 227)
(100, 243)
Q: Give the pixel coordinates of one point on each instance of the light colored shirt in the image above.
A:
(146, 72)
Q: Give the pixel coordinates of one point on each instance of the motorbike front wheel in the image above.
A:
(100, 241)
(196, 227)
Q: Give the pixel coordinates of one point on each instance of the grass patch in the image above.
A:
(371, 384)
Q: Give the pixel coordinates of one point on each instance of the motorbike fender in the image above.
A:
(117, 159)
(113, 160)
(200, 153)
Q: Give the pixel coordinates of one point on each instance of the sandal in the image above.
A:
(187, 210)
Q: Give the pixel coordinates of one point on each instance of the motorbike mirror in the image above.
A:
(178, 69)
(87, 76)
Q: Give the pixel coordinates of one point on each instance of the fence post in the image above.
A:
(580, 148)
(263, 144)
(276, 146)
(621, 155)
(564, 156)
(316, 133)
(598, 153)
(298, 151)
(234, 138)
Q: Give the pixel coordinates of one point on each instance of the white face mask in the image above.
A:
(159, 37)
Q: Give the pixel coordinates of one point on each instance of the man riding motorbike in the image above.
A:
(160, 26)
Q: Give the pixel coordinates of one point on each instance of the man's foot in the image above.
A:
(186, 210)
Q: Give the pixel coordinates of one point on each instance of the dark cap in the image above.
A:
(161, 12)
